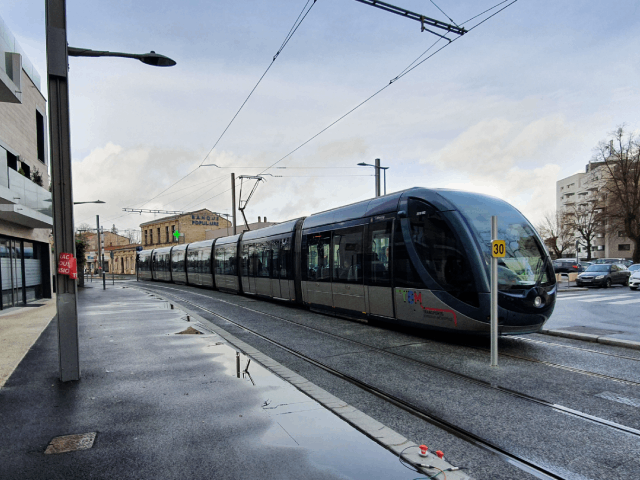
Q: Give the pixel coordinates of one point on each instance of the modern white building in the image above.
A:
(582, 189)
(25, 200)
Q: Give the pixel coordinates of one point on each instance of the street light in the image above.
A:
(210, 165)
(95, 201)
(58, 53)
(151, 58)
(378, 168)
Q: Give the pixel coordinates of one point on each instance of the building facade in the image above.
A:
(25, 201)
(109, 239)
(191, 227)
(582, 192)
(210, 234)
(124, 259)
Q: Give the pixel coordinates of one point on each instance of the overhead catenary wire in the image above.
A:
(412, 66)
(288, 37)
(393, 80)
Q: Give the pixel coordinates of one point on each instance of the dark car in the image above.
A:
(623, 261)
(567, 266)
(604, 275)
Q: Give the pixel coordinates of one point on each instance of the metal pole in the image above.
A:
(385, 181)
(63, 237)
(104, 276)
(494, 296)
(233, 201)
(99, 239)
(377, 177)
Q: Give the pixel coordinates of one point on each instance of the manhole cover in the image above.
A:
(71, 443)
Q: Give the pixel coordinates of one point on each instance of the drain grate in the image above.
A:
(614, 397)
(71, 443)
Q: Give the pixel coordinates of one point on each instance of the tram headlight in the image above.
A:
(537, 302)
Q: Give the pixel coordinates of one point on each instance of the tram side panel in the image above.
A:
(198, 264)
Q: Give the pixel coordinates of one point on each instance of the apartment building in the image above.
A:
(25, 201)
(583, 190)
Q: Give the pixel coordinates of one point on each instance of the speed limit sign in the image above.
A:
(497, 248)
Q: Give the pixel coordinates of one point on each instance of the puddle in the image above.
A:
(298, 421)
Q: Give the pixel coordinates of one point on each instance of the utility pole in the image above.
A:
(233, 201)
(63, 236)
(377, 177)
(99, 239)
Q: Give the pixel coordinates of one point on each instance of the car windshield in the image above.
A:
(635, 267)
(599, 268)
(524, 262)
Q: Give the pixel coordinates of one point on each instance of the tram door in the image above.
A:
(378, 269)
(11, 271)
(348, 280)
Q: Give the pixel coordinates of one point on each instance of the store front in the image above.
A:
(24, 271)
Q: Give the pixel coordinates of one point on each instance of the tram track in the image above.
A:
(573, 347)
(526, 465)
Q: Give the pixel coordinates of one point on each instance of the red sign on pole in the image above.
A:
(67, 265)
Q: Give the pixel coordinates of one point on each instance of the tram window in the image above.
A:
(205, 256)
(404, 273)
(285, 259)
(347, 255)
(245, 260)
(441, 252)
(378, 255)
(318, 248)
(275, 259)
(219, 258)
(230, 260)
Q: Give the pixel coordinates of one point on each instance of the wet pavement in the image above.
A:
(601, 383)
(155, 404)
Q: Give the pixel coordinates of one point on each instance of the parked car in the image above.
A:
(634, 280)
(604, 275)
(624, 261)
(566, 265)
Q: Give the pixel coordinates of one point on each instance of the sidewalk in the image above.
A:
(156, 404)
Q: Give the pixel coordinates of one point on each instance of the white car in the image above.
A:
(634, 280)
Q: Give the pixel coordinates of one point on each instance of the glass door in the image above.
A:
(11, 272)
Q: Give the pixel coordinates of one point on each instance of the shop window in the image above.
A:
(624, 247)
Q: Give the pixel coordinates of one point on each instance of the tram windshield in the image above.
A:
(525, 263)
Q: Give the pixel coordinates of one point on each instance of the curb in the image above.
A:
(588, 337)
(379, 433)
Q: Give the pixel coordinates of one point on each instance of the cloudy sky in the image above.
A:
(508, 109)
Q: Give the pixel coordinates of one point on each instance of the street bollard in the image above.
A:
(104, 281)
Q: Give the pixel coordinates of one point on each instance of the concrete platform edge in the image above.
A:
(388, 438)
(588, 337)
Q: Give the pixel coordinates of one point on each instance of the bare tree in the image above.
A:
(586, 218)
(555, 230)
(620, 160)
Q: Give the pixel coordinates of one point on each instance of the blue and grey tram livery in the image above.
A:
(419, 257)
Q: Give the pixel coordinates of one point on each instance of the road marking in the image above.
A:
(581, 295)
(603, 299)
(625, 302)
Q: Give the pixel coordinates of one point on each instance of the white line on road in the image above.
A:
(603, 299)
(581, 295)
(625, 302)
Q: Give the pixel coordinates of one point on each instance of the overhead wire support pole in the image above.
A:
(424, 20)
(241, 207)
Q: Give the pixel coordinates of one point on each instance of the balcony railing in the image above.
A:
(25, 192)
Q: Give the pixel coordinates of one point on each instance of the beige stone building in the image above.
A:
(25, 201)
(209, 234)
(124, 259)
(109, 239)
(191, 227)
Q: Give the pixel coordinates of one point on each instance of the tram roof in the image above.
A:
(366, 208)
(279, 229)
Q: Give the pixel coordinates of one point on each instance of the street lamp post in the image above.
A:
(59, 134)
(377, 180)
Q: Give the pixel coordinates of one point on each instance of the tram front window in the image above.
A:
(525, 263)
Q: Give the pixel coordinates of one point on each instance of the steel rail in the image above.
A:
(472, 437)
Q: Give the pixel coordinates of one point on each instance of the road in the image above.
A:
(614, 312)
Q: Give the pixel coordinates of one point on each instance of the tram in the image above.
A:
(419, 257)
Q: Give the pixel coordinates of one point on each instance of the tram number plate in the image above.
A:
(497, 248)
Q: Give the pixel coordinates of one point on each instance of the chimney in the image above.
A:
(258, 218)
